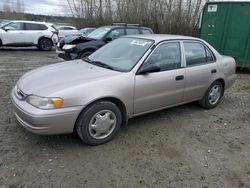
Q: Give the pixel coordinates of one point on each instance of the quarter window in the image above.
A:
(196, 53)
(167, 56)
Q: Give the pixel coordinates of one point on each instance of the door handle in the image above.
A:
(213, 71)
(181, 77)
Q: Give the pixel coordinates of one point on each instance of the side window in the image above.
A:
(196, 53)
(32, 27)
(116, 33)
(145, 31)
(167, 56)
(132, 31)
(14, 26)
(66, 28)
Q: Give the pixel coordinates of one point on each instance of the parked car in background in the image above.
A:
(128, 77)
(28, 33)
(74, 47)
(66, 30)
(86, 31)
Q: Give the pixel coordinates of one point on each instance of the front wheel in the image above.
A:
(99, 123)
(213, 96)
(85, 54)
(45, 44)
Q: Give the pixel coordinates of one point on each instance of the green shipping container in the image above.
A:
(226, 26)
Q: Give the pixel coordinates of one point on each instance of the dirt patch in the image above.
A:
(184, 146)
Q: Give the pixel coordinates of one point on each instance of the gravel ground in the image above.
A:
(184, 146)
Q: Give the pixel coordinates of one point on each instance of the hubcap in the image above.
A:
(46, 44)
(102, 124)
(214, 94)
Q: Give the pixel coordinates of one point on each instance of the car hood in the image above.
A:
(75, 39)
(54, 78)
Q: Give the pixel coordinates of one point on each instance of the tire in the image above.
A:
(95, 126)
(212, 96)
(45, 44)
(85, 54)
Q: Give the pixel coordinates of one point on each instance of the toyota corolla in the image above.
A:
(128, 77)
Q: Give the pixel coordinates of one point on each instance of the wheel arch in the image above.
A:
(114, 100)
(222, 81)
(87, 49)
(1, 43)
(44, 37)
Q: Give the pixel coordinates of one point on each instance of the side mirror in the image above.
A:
(149, 69)
(6, 29)
(108, 39)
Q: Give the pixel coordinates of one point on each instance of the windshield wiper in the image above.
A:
(98, 63)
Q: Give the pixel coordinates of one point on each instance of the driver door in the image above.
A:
(164, 88)
(13, 34)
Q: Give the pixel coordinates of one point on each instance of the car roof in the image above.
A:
(161, 37)
(125, 26)
(66, 26)
(31, 22)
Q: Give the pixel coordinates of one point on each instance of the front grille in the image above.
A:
(19, 94)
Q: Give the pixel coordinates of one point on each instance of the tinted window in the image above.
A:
(132, 31)
(146, 31)
(32, 26)
(167, 56)
(66, 28)
(196, 53)
(14, 26)
(116, 33)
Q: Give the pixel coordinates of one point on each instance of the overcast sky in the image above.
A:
(47, 7)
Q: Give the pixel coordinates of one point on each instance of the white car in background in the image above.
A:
(66, 30)
(29, 33)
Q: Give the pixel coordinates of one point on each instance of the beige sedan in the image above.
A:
(128, 77)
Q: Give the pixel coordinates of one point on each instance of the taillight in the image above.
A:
(55, 32)
(235, 67)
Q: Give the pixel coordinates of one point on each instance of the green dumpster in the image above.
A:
(226, 26)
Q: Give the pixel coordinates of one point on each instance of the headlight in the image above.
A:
(69, 46)
(44, 102)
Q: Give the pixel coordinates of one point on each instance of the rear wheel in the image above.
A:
(213, 96)
(45, 44)
(99, 123)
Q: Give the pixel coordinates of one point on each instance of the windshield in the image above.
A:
(122, 54)
(99, 33)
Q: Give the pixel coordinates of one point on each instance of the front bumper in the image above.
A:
(66, 56)
(45, 122)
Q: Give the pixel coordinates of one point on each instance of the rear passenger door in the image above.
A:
(33, 31)
(200, 68)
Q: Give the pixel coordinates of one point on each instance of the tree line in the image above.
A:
(163, 16)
